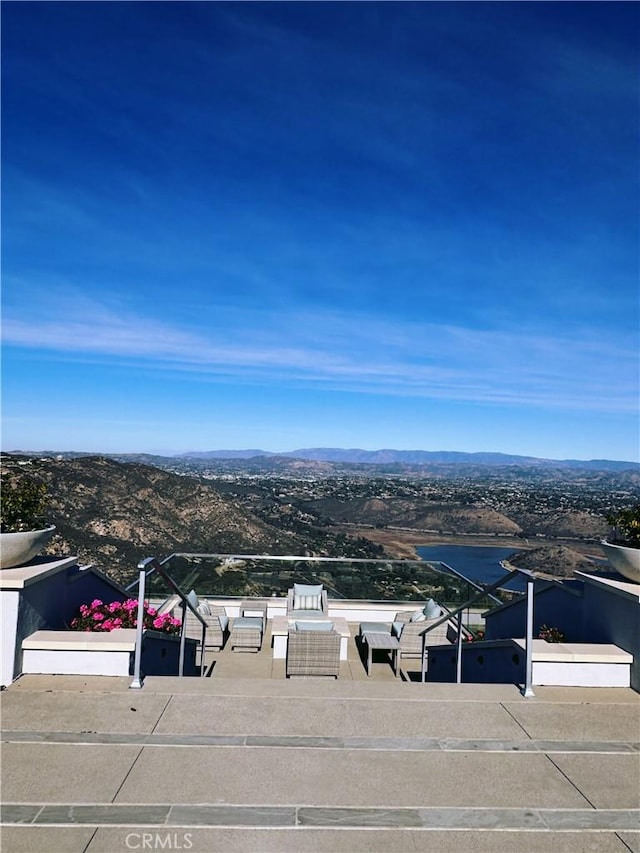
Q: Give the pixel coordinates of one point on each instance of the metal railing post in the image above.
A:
(459, 651)
(137, 677)
(204, 639)
(528, 667)
(183, 637)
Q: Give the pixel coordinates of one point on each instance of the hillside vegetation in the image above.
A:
(112, 514)
(418, 514)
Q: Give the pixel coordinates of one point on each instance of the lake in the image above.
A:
(475, 562)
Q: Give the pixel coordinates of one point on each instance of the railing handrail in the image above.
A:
(457, 610)
(146, 567)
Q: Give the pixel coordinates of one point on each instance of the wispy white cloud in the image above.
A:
(352, 353)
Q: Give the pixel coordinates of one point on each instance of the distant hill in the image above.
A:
(113, 514)
(417, 457)
(393, 461)
(225, 454)
(555, 560)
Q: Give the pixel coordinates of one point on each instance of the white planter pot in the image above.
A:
(16, 549)
(624, 560)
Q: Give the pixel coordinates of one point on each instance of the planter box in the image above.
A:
(104, 653)
(79, 652)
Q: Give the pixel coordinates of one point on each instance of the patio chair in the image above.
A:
(409, 633)
(215, 617)
(313, 653)
(307, 601)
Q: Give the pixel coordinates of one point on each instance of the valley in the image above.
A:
(112, 513)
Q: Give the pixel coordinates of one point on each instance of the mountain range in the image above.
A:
(415, 457)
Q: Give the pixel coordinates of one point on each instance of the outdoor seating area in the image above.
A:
(309, 642)
(299, 644)
(286, 653)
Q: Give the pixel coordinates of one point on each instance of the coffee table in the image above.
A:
(382, 641)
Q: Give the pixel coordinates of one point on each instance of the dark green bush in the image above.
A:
(22, 504)
(626, 526)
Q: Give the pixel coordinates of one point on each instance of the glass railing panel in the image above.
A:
(219, 575)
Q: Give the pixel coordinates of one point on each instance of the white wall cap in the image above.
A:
(577, 652)
(23, 576)
(119, 640)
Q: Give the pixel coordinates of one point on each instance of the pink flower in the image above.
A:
(117, 622)
(96, 603)
(114, 606)
(107, 625)
(84, 610)
(158, 623)
(151, 611)
(130, 604)
(98, 616)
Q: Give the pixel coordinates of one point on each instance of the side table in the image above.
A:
(382, 641)
(250, 607)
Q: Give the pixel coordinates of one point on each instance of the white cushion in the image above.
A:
(203, 608)
(224, 622)
(418, 616)
(314, 626)
(306, 602)
(397, 628)
(254, 622)
(432, 610)
(192, 598)
(307, 589)
(375, 628)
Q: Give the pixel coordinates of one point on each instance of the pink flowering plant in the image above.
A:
(476, 635)
(99, 616)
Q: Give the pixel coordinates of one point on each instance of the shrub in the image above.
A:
(551, 635)
(22, 504)
(626, 527)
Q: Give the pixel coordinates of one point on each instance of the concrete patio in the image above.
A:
(245, 760)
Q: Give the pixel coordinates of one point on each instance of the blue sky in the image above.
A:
(286, 225)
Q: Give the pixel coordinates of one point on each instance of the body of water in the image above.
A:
(475, 562)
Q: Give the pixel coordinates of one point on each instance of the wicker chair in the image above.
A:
(217, 627)
(319, 613)
(313, 653)
(411, 636)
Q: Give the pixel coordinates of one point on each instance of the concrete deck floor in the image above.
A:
(246, 760)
